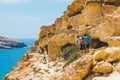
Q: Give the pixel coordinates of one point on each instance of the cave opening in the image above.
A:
(69, 27)
(96, 43)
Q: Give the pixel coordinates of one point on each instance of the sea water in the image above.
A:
(10, 57)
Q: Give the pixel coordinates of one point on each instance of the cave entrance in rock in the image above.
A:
(96, 43)
(69, 27)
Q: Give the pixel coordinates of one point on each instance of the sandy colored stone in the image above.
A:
(104, 30)
(53, 50)
(117, 66)
(115, 56)
(92, 51)
(103, 67)
(43, 34)
(101, 55)
(93, 10)
(74, 9)
(79, 68)
(113, 41)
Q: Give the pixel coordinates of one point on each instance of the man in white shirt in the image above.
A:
(78, 40)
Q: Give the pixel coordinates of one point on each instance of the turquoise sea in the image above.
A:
(10, 57)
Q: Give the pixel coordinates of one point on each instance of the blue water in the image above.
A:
(10, 57)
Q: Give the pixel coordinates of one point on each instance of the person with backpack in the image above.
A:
(82, 46)
(87, 40)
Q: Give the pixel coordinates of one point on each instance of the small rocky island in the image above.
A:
(6, 43)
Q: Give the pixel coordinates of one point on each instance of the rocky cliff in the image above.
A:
(6, 43)
(98, 18)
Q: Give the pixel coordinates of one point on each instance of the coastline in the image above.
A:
(12, 56)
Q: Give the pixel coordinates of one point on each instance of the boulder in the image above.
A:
(110, 54)
(103, 67)
(117, 66)
(115, 56)
(101, 55)
(80, 68)
(53, 50)
(113, 41)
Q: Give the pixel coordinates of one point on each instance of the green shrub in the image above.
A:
(70, 53)
(69, 50)
(72, 58)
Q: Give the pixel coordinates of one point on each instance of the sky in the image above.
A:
(22, 19)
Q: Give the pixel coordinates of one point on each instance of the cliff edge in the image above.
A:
(98, 18)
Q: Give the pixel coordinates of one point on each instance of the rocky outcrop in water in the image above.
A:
(6, 43)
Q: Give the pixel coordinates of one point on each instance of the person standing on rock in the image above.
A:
(82, 46)
(87, 40)
(45, 54)
(78, 40)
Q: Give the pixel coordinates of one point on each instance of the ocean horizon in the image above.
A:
(10, 57)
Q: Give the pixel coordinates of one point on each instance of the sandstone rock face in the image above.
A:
(99, 21)
(6, 43)
(93, 10)
(74, 9)
(104, 30)
(101, 27)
